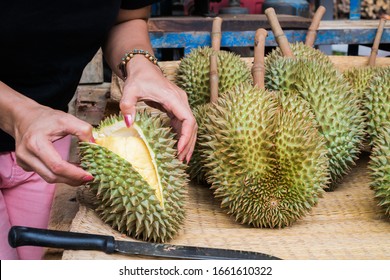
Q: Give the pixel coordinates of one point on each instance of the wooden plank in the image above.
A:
(330, 32)
(91, 102)
(349, 24)
(230, 23)
(93, 72)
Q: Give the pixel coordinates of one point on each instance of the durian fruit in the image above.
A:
(377, 102)
(300, 49)
(193, 73)
(362, 77)
(379, 166)
(263, 155)
(195, 168)
(193, 76)
(335, 106)
(138, 181)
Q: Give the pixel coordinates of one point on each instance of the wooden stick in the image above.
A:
(216, 34)
(258, 70)
(214, 79)
(377, 40)
(312, 32)
(280, 37)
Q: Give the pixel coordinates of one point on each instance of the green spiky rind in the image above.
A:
(377, 102)
(193, 73)
(300, 50)
(196, 165)
(266, 163)
(126, 202)
(360, 78)
(379, 166)
(336, 107)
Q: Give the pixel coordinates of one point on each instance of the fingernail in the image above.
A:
(92, 140)
(88, 178)
(128, 120)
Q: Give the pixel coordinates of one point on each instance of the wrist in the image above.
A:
(12, 104)
(135, 55)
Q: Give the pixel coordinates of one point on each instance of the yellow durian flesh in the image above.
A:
(129, 143)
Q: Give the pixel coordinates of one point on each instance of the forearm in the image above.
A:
(12, 103)
(130, 33)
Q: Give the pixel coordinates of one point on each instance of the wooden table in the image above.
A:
(239, 31)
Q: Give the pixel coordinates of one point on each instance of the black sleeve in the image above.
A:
(136, 4)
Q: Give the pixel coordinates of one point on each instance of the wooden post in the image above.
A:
(258, 70)
(216, 36)
(377, 40)
(312, 32)
(280, 37)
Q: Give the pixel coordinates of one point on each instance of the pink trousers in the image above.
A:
(25, 200)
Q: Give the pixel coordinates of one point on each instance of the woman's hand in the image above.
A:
(146, 83)
(35, 130)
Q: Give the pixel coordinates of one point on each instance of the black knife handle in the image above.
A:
(28, 236)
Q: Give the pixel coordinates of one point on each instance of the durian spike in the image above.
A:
(312, 32)
(213, 78)
(377, 40)
(279, 35)
(216, 34)
(258, 70)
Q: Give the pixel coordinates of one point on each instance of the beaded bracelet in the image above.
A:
(129, 55)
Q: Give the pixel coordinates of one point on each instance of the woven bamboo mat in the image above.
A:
(346, 224)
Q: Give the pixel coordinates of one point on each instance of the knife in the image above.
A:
(28, 236)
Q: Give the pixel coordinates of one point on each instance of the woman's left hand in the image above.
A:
(146, 83)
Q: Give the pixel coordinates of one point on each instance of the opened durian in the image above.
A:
(138, 181)
(335, 106)
(380, 168)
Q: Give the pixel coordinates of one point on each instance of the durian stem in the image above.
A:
(377, 40)
(279, 35)
(216, 34)
(312, 32)
(213, 78)
(258, 70)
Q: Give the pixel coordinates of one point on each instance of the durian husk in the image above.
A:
(379, 166)
(377, 103)
(337, 109)
(263, 156)
(126, 201)
(369, 84)
(193, 73)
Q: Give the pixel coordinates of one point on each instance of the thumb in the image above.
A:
(128, 108)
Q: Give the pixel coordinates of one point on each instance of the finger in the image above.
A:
(74, 126)
(187, 137)
(128, 106)
(188, 150)
(46, 161)
(192, 148)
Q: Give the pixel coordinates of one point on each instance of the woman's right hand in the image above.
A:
(35, 128)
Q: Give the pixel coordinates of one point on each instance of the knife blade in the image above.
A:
(29, 236)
